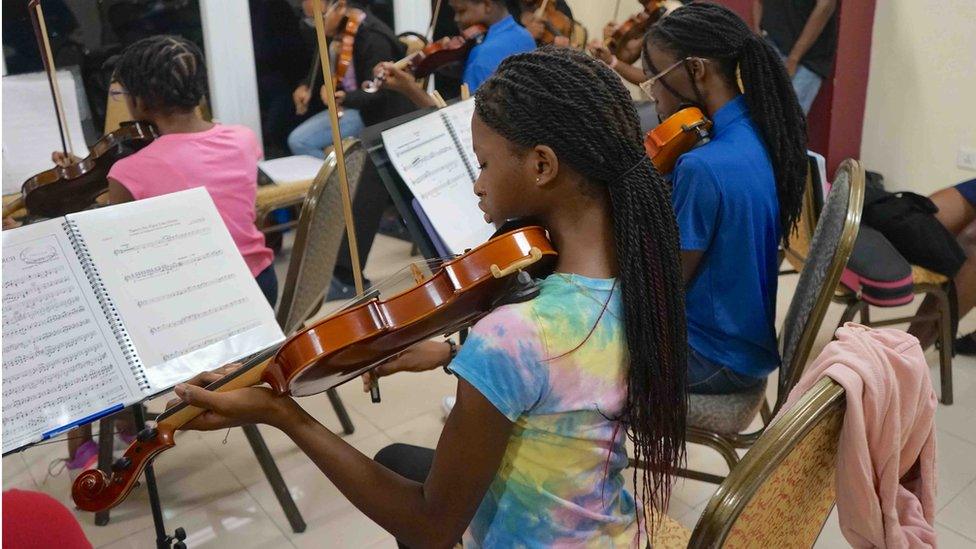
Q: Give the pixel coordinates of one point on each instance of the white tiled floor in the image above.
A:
(215, 490)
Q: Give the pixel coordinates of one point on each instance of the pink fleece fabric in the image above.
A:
(889, 426)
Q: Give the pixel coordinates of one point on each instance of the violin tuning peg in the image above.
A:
(148, 433)
(121, 464)
(180, 534)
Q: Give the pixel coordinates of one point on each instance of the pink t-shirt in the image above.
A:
(222, 159)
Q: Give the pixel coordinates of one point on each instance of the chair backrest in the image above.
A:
(830, 248)
(798, 246)
(782, 491)
(321, 228)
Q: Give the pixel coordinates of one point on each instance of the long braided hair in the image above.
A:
(714, 32)
(166, 72)
(577, 106)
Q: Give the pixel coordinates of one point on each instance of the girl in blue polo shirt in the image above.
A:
(505, 37)
(736, 197)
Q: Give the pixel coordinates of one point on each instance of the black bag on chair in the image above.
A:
(908, 221)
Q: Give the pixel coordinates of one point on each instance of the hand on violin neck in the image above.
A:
(250, 405)
(301, 97)
(64, 159)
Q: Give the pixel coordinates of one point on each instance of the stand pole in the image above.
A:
(163, 541)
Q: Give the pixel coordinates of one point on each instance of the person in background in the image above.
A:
(804, 33)
(374, 43)
(35, 520)
(505, 37)
(162, 80)
(737, 196)
(957, 213)
(550, 390)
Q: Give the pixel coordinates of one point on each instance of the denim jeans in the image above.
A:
(268, 282)
(312, 136)
(708, 378)
(806, 83)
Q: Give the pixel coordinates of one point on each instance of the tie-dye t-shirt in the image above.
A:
(556, 367)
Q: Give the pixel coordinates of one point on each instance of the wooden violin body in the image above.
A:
(448, 50)
(556, 23)
(680, 133)
(348, 343)
(66, 189)
(636, 25)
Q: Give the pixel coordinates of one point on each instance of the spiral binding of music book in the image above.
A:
(119, 330)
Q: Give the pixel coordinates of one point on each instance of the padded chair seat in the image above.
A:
(921, 275)
(281, 195)
(725, 414)
(669, 534)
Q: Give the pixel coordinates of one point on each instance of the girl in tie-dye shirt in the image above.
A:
(532, 453)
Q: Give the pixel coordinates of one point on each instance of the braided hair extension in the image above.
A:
(714, 32)
(577, 106)
(166, 72)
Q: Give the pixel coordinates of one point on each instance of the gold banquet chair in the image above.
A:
(720, 421)
(782, 491)
(320, 233)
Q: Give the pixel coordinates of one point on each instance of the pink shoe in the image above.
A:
(86, 457)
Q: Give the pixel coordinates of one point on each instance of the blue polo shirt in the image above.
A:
(504, 38)
(725, 201)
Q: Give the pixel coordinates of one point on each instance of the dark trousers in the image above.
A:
(408, 461)
(268, 282)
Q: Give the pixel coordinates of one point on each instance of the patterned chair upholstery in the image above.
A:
(718, 421)
(782, 492)
(321, 229)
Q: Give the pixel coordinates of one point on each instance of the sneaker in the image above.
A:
(86, 457)
(447, 404)
(340, 291)
(965, 345)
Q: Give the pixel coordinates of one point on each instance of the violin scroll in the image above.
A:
(95, 490)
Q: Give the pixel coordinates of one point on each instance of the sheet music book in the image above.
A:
(291, 169)
(434, 156)
(104, 308)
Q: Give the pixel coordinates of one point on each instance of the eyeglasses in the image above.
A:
(647, 86)
(117, 95)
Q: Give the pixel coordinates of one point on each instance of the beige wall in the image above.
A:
(921, 102)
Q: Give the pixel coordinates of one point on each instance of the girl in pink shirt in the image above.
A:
(162, 79)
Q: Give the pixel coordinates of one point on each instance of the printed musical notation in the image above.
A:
(60, 358)
(176, 277)
(434, 156)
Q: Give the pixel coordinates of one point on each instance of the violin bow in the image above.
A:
(542, 9)
(340, 154)
(433, 21)
(616, 11)
(44, 44)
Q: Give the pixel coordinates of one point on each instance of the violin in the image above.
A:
(63, 190)
(342, 56)
(66, 189)
(350, 342)
(447, 50)
(678, 134)
(636, 25)
(555, 22)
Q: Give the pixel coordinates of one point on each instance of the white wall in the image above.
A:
(230, 63)
(921, 102)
